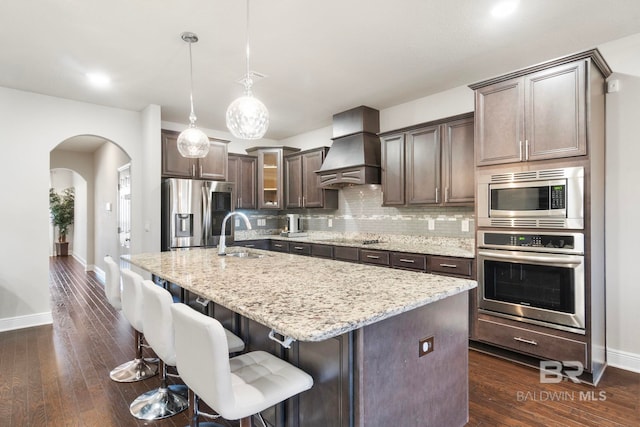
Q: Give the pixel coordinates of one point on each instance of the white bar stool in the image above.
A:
(137, 369)
(236, 388)
(166, 400)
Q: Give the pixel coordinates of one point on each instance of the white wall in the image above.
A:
(623, 203)
(32, 125)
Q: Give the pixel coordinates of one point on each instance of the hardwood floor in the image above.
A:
(57, 375)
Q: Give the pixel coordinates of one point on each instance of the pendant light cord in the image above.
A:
(248, 81)
(192, 116)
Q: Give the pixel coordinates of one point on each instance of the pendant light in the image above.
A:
(192, 142)
(247, 117)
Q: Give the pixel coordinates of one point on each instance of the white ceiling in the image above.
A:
(320, 57)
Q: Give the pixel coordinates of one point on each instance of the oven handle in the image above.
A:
(522, 257)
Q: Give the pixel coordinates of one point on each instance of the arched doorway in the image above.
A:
(97, 161)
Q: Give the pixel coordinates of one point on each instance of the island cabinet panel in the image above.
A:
(397, 386)
(409, 261)
(328, 402)
(322, 251)
(374, 257)
(346, 253)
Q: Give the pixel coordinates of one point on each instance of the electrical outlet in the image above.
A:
(329, 222)
(431, 224)
(613, 86)
(465, 225)
(425, 346)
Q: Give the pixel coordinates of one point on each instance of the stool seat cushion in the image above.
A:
(234, 342)
(260, 380)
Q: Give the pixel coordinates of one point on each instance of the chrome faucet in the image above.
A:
(223, 238)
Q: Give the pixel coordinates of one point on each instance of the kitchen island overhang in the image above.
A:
(369, 322)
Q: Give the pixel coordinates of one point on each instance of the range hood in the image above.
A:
(354, 156)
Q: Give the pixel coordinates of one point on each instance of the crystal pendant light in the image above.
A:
(192, 142)
(247, 117)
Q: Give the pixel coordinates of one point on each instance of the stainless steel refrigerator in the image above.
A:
(192, 212)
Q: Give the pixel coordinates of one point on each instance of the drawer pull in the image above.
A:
(373, 256)
(526, 341)
(277, 245)
(449, 265)
(298, 248)
(249, 246)
(407, 260)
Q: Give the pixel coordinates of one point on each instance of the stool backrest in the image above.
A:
(158, 321)
(202, 356)
(112, 288)
(132, 298)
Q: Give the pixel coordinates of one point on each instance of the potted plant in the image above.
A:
(61, 207)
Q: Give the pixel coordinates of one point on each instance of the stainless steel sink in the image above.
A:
(245, 255)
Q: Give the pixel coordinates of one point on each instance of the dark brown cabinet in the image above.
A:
(242, 172)
(429, 165)
(270, 175)
(303, 184)
(450, 266)
(213, 166)
(538, 116)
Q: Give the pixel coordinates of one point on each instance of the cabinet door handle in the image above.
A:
(526, 149)
(193, 170)
(200, 170)
(526, 341)
(299, 201)
(449, 265)
(373, 256)
(407, 260)
(437, 198)
(446, 194)
(304, 201)
(520, 150)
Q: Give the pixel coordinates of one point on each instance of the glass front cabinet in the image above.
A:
(271, 175)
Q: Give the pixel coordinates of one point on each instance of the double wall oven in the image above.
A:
(531, 253)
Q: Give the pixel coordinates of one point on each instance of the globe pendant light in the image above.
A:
(247, 117)
(192, 142)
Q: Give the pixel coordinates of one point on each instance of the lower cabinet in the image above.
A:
(450, 266)
(414, 262)
(346, 253)
(547, 346)
(279, 246)
(374, 257)
(300, 248)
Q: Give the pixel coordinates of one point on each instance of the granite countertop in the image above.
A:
(305, 298)
(445, 246)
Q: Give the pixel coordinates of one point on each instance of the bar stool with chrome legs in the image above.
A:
(164, 401)
(236, 388)
(137, 369)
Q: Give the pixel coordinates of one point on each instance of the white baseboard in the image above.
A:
(623, 360)
(99, 273)
(20, 322)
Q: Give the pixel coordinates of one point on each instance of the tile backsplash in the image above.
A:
(361, 211)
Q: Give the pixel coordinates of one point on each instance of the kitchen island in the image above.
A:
(359, 330)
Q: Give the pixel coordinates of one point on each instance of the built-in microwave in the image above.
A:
(549, 198)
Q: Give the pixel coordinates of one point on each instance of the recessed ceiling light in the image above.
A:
(99, 79)
(504, 8)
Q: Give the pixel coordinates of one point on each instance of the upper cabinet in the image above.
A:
(538, 113)
(303, 184)
(213, 166)
(242, 171)
(270, 175)
(430, 164)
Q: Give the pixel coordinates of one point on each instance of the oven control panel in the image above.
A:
(548, 242)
